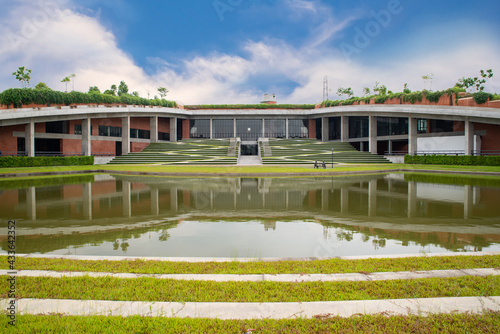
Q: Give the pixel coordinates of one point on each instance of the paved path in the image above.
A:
(238, 259)
(419, 306)
(249, 160)
(381, 276)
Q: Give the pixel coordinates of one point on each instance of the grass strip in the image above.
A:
(151, 289)
(231, 169)
(331, 266)
(489, 322)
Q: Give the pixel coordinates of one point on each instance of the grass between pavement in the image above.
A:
(329, 266)
(489, 322)
(161, 290)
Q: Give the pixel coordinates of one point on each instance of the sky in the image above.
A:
(234, 51)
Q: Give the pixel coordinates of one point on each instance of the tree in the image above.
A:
(162, 91)
(94, 89)
(68, 80)
(428, 77)
(122, 88)
(406, 90)
(111, 91)
(345, 91)
(23, 75)
(366, 91)
(42, 85)
(381, 90)
(136, 94)
(478, 83)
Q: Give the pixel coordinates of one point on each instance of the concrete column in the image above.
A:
(412, 199)
(153, 129)
(286, 128)
(125, 135)
(127, 201)
(174, 204)
(324, 199)
(86, 136)
(31, 203)
(412, 136)
(155, 201)
(362, 146)
(234, 128)
(173, 129)
(211, 129)
(344, 201)
(372, 198)
(389, 146)
(263, 128)
(326, 133)
(344, 128)
(469, 137)
(372, 129)
(29, 139)
(87, 200)
(468, 201)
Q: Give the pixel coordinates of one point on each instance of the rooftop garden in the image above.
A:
(462, 89)
(250, 106)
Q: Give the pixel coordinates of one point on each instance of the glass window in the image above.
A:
(334, 128)
(422, 125)
(275, 128)
(78, 129)
(199, 128)
(298, 128)
(223, 128)
(358, 126)
(249, 129)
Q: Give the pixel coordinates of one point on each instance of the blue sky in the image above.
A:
(233, 51)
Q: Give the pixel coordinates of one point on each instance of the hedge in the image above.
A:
(461, 180)
(44, 181)
(466, 160)
(249, 106)
(6, 162)
(19, 96)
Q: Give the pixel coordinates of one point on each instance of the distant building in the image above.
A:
(269, 99)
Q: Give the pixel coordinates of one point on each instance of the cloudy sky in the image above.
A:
(234, 51)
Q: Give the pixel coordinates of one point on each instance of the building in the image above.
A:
(394, 127)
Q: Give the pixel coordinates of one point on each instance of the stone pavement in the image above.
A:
(380, 276)
(418, 306)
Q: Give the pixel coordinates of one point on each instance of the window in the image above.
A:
(298, 128)
(422, 126)
(199, 128)
(275, 128)
(223, 128)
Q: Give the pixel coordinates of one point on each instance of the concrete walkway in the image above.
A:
(249, 160)
(418, 306)
(381, 276)
(242, 259)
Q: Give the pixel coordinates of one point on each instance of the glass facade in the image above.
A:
(199, 128)
(392, 126)
(223, 128)
(298, 128)
(249, 129)
(275, 128)
(358, 126)
(422, 125)
(334, 128)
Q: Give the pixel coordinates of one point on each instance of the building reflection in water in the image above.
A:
(462, 214)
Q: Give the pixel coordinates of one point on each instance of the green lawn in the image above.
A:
(438, 323)
(260, 267)
(228, 170)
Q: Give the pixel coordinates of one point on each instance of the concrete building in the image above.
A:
(377, 128)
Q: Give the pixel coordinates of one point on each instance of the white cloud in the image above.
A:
(71, 42)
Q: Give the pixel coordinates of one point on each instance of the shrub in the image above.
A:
(6, 162)
(482, 97)
(466, 160)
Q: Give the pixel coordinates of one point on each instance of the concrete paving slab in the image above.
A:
(229, 259)
(381, 276)
(420, 306)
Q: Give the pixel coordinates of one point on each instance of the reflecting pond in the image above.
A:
(252, 217)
